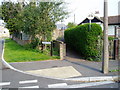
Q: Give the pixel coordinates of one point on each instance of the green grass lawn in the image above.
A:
(17, 53)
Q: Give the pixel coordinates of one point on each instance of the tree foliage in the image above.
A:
(36, 20)
(9, 14)
(71, 24)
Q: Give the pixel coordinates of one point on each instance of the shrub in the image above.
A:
(85, 40)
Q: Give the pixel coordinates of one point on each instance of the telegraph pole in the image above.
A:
(74, 18)
(105, 42)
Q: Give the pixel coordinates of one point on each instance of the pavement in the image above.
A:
(77, 69)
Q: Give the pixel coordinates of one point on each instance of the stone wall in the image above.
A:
(57, 34)
(21, 42)
(61, 48)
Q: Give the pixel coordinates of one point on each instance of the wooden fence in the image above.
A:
(114, 49)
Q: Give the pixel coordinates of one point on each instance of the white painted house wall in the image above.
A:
(118, 32)
(4, 32)
(111, 30)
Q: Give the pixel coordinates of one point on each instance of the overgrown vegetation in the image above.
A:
(17, 53)
(85, 40)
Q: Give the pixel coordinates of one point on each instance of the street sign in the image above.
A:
(46, 42)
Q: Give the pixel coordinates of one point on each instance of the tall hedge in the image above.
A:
(86, 40)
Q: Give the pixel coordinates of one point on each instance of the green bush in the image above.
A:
(85, 40)
(110, 38)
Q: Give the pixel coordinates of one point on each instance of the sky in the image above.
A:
(82, 8)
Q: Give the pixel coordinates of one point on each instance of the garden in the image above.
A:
(17, 53)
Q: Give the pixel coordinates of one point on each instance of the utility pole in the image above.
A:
(74, 18)
(105, 42)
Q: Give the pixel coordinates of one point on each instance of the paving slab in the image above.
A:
(59, 72)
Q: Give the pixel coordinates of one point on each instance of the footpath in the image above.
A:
(69, 69)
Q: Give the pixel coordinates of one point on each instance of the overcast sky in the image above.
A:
(81, 9)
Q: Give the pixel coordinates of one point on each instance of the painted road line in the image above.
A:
(4, 83)
(84, 85)
(57, 85)
(30, 87)
(28, 81)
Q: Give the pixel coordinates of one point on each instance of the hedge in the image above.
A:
(85, 40)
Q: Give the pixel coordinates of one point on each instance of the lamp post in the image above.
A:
(105, 42)
(90, 17)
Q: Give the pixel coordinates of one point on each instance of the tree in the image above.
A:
(39, 20)
(71, 24)
(36, 20)
(9, 13)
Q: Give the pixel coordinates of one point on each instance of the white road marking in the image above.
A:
(28, 81)
(4, 83)
(30, 87)
(57, 85)
(84, 85)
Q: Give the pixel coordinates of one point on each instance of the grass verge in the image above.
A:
(17, 53)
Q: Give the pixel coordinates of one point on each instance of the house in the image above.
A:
(2, 23)
(4, 32)
(96, 20)
(113, 23)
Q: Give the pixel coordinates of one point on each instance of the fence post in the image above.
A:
(51, 49)
(116, 49)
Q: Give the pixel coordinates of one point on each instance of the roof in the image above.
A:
(61, 26)
(113, 20)
(94, 20)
